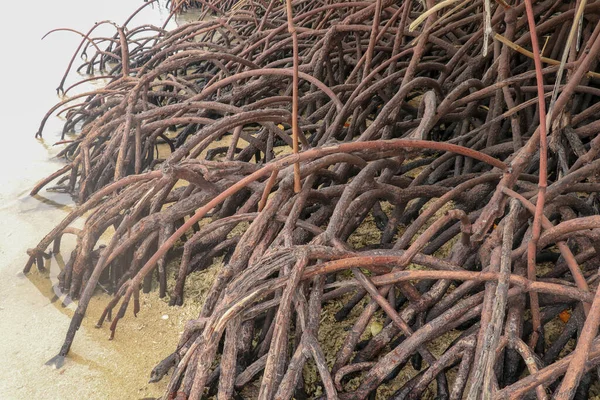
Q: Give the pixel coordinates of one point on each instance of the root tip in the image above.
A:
(56, 362)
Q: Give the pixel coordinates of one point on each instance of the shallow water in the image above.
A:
(33, 316)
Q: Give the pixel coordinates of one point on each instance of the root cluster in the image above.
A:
(272, 133)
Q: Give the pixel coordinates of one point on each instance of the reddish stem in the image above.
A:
(295, 82)
(539, 207)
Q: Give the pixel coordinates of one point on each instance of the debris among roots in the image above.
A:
(387, 226)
